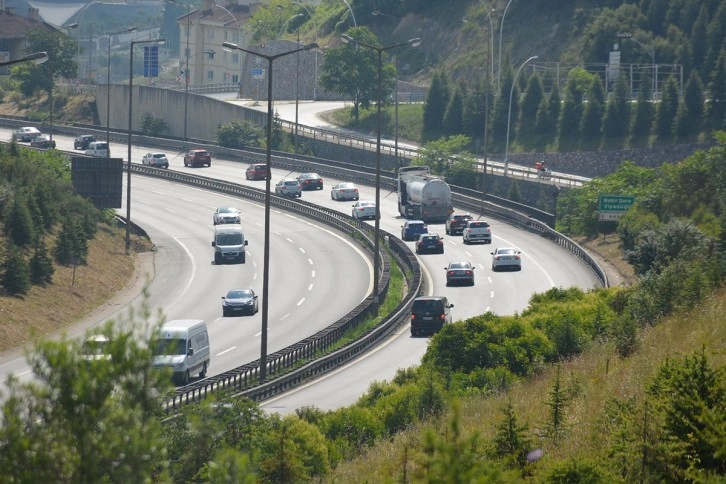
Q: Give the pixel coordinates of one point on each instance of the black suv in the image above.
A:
(431, 243)
(456, 222)
(82, 142)
(429, 314)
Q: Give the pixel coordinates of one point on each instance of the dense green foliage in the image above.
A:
(37, 205)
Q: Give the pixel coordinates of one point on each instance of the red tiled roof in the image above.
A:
(16, 27)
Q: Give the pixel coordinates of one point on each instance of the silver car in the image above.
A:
(364, 209)
(288, 188)
(158, 160)
(344, 191)
(226, 215)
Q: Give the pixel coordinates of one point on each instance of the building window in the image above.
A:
(235, 58)
(235, 79)
(210, 34)
(235, 36)
(210, 75)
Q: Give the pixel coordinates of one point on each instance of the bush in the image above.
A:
(152, 126)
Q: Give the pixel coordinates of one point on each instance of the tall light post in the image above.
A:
(297, 74)
(377, 228)
(50, 92)
(501, 28)
(108, 90)
(228, 46)
(509, 116)
(90, 52)
(355, 24)
(128, 161)
(37, 57)
(654, 82)
(186, 69)
(315, 83)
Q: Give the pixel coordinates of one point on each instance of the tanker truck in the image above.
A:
(423, 196)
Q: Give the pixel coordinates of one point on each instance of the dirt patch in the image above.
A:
(608, 252)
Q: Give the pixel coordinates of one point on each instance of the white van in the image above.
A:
(229, 243)
(97, 148)
(183, 346)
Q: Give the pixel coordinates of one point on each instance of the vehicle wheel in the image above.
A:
(217, 260)
(242, 260)
(494, 269)
(441, 251)
(203, 373)
(465, 240)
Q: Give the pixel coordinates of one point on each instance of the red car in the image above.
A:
(257, 171)
(194, 158)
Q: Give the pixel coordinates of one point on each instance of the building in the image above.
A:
(13, 33)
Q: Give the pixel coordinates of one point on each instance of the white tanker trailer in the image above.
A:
(423, 196)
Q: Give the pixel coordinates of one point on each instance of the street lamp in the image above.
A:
(355, 24)
(499, 68)
(509, 116)
(228, 46)
(37, 57)
(50, 93)
(128, 166)
(654, 82)
(377, 230)
(108, 90)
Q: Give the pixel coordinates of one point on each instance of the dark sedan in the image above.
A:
(42, 141)
(82, 141)
(257, 171)
(459, 272)
(430, 243)
(242, 301)
(310, 181)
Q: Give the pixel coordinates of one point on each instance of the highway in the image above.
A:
(187, 284)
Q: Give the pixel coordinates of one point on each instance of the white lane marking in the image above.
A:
(302, 250)
(193, 219)
(226, 351)
(313, 274)
(169, 210)
(22, 373)
(310, 287)
(310, 261)
(301, 301)
(489, 279)
(158, 192)
(534, 261)
(188, 200)
(289, 240)
(194, 271)
(491, 294)
(284, 317)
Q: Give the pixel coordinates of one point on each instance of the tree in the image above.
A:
(352, 69)
(240, 134)
(617, 113)
(667, 109)
(435, 107)
(453, 117)
(570, 115)
(41, 265)
(19, 224)
(716, 105)
(15, 271)
(511, 442)
(71, 246)
(689, 117)
(591, 124)
(473, 118)
(642, 119)
(61, 49)
(533, 96)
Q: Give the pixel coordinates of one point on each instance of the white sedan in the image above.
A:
(158, 160)
(364, 209)
(226, 215)
(506, 258)
(344, 191)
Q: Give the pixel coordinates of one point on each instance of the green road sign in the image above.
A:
(616, 203)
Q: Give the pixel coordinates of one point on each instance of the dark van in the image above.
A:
(429, 314)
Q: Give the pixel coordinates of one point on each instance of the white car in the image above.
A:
(27, 133)
(344, 191)
(226, 215)
(158, 160)
(506, 258)
(288, 188)
(364, 209)
(476, 231)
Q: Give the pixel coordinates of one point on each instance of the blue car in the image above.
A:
(412, 229)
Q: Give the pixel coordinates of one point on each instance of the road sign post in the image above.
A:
(612, 207)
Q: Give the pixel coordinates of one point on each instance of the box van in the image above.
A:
(183, 346)
(429, 314)
(97, 148)
(229, 243)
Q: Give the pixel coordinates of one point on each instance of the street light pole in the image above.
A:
(37, 57)
(90, 51)
(128, 161)
(108, 91)
(501, 28)
(377, 228)
(228, 46)
(186, 76)
(654, 81)
(509, 116)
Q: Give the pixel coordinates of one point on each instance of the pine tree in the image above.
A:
(716, 108)
(557, 402)
(591, 126)
(698, 46)
(41, 265)
(454, 115)
(19, 225)
(533, 96)
(642, 119)
(15, 274)
(568, 126)
(511, 442)
(667, 109)
(435, 107)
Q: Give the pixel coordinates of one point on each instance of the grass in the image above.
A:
(599, 375)
(410, 118)
(74, 293)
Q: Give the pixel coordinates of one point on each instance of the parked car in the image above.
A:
(412, 229)
(196, 158)
(506, 258)
(158, 160)
(226, 215)
(310, 181)
(459, 272)
(344, 191)
(456, 222)
(43, 141)
(288, 188)
(97, 148)
(364, 209)
(477, 231)
(429, 314)
(257, 171)
(240, 301)
(26, 134)
(430, 243)
(82, 141)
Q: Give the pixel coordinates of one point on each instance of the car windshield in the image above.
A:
(309, 175)
(367, 204)
(229, 239)
(227, 210)
(478, 225)
(172, 346)
(427, 306)
(291, 183)
(459, 265)
(158, 155)
(243, 294)
(346, 185)
(415, 226)
(200, 153)
(506, 251)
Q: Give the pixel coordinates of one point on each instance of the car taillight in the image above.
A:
(355, 191)
(451, 273)
(468, 273)
(413, 317)
(441, 242)
(443, 316)
(468, 230)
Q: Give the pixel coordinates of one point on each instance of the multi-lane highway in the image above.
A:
(316, 275)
